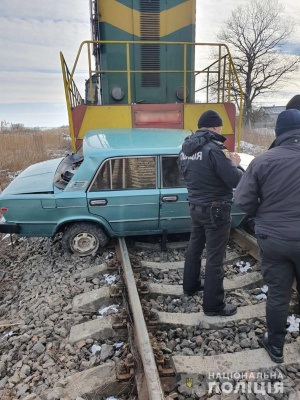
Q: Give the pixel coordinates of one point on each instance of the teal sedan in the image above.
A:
(122, 182)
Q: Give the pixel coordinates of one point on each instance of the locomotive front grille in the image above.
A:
(150, 53)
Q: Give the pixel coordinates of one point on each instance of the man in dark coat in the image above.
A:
(210, 173)
(270, 191)
(294, 103)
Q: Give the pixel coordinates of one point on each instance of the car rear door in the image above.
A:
(174, 210)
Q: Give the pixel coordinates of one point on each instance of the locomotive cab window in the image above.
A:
(171, 172)
(126, 173)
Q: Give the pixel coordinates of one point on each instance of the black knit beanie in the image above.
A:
(294, 103)
(287, 120)
(210, 119)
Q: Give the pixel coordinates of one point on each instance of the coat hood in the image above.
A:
(287, 137)
(196, 141)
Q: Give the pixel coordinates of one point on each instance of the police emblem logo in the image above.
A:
(226, 152)
(189, 382)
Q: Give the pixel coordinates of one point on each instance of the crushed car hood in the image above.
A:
(38, 178)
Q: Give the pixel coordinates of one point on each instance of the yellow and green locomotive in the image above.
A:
(145, 70)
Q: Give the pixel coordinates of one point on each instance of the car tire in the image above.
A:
(83, 239)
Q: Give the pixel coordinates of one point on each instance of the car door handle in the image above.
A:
(169, 199)
(98, 202)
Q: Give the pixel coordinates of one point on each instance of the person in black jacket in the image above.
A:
(210, 173)
(270, 191)
(294, 103)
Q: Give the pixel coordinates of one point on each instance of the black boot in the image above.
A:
(275, 353)
(227, 311)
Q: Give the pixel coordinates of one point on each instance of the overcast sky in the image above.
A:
(32, 34)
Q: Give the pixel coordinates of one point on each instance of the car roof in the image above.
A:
(133, 141)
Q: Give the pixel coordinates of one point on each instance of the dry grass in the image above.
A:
(259, 137)
(22, 148)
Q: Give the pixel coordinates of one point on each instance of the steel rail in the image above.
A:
(152, 379)
(247, 242)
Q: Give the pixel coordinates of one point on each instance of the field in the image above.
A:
(21, 148)
(259, 139)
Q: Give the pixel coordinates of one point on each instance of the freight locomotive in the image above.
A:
(145, 70)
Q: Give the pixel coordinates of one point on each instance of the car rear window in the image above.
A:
(171, 172)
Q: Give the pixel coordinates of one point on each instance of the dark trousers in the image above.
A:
(280, 264)
(211, 227)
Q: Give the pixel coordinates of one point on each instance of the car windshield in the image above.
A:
(67, 168)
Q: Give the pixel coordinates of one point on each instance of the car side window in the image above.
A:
(126, 173)
(171, 172)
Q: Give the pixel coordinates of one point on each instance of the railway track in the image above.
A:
(203, 363)
(173, 350)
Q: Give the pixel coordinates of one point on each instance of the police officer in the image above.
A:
(270, 192)
(210, 173)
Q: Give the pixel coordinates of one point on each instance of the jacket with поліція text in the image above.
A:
(208, 171)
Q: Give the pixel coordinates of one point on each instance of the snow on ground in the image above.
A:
(248, 152)
(252, 149)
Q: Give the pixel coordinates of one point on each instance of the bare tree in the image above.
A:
(256, 34)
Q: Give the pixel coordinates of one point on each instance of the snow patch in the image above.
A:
(264, 289)
(109, 278)
(243, 266)
(117, 345)
(113, 309)
(95, 349)
(293, 323)
(262, 295)
(7, 334)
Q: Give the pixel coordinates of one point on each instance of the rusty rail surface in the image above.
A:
(247, 242)
(151, 376)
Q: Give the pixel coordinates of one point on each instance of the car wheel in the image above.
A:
(83, 239)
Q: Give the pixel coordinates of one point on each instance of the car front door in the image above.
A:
(124, 192)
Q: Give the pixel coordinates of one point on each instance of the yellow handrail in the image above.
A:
(224, 85)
